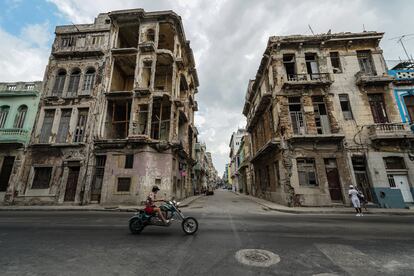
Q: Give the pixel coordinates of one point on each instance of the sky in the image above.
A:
(228, 38)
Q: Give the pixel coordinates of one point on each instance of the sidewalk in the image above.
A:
(91, 207)
(325, 210)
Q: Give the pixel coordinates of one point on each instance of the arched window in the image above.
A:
(4, 111)
(151, 35)
(20, 117)
(74, 82)
(59, 83)
(89, 80)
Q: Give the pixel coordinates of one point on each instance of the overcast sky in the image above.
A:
(228, 38)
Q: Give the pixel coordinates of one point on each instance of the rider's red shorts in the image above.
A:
(149, 210)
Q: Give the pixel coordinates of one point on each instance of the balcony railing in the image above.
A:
(390, 130)
(366, 79)
(18, 135)
(315, 79)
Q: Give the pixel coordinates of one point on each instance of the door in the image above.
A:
(98, 178)
(321, 115)
(6, 170)
(376, 102)
(361, 177)
(333, 179)
(72, 183)
(401, 182)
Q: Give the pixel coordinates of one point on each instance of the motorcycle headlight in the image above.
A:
(178, 203)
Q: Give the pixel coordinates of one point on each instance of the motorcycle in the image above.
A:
(170, 209)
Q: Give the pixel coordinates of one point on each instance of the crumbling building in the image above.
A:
(322, 116)
(116, 114)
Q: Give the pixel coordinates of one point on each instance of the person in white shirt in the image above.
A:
(353, 194)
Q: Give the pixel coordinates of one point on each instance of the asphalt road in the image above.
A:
(99, 243)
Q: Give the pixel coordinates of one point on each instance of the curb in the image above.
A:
(191, 201)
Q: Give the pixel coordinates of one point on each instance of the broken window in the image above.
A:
(20, 117)
(74, 82)
(307, 172)
(67, 41)
(129, 161)
(4, 112)
(146, 74)
(377, 105)
(346, 107)
(365, 62)
(81, 125)
(124, 184)
(63, 131)
(163, 73)
(312, 66)
(46, 130)
(89, 81)
(150, 35)
(128, 36)
(166, 36)
(290, 66)
(142, 119)
(59, 83)
(296, 115)
(41, 179)
(118, 118)
(11, 87)
(183, 88)
(336, 62)
(321, 115)
(160, 120)
(123, 73)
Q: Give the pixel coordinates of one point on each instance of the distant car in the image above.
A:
(210, 191)
(229, 188)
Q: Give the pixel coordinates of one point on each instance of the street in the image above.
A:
(99, 243)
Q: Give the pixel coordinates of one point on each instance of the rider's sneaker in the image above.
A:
(167, 221)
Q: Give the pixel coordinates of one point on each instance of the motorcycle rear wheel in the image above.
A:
(135, 226)
(190, 225)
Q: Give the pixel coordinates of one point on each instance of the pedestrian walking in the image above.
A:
(362, 199)
(353, 194)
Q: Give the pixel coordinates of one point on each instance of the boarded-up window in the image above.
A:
(59, 83)
(346, 107)
(124, 184)
(74, 82)
(81, 125)
(394, 163)
(46, 131)
(63, 131)
(89, 81)
(42, 177)
(307, 172)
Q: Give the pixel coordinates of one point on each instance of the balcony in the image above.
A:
(81, 51)
(371, 79)
(387, 131)
(294, 81)
(14, 136)
(148, 46)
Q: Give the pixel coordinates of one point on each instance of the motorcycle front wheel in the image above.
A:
(135, 226)
(189, 225)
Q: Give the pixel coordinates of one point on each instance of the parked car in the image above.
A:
(209, 191)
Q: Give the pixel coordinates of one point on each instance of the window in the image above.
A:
(346, 107)
(365, 62)
(296, 115)
(74, 82)
(160, 123)
(89, 80)
(46, 131)
(63, 131)
(97, 39)
(11, 87)
(20, 117)
(68, 41)
(321, 116)
(394, 163)
(59, 83)
(377, 105)
(307, 172)
(29, 86)
(391, 180)
(290, 66)
(124, 184)
(312, 66)
(336, 62)
(129, 161)
(42, 177)
(150, 35)
(142, 119)
(81, 125)
(4, 111)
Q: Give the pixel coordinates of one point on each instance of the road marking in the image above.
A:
(351, 260)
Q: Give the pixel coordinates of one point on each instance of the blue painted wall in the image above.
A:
(389, 198)
(406, 89)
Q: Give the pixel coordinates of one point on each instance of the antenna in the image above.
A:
(75, 26)
(400, 40)
(363, 27)
(310, 28)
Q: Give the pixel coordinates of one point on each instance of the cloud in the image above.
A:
(228, 38)
(37, 34)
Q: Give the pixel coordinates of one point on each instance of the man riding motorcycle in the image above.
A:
(151, 208)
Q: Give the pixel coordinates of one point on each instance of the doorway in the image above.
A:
(333, 179)
(361, 177)
(72, 183)
(6, 170)
(401, 182)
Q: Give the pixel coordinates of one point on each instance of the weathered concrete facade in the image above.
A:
(18, 107)
(117, 113)
(322, 116)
